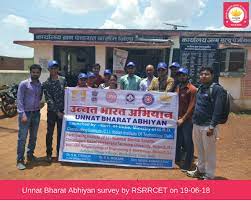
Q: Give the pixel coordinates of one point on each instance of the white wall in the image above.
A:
(100, 57)
(8, 77)
(42, 54)
(232, 84)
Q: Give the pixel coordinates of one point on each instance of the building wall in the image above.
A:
(11, 63)
(240, 87)
(8, 77)
(28, 63)
(246, 80)
(229, 82)
(42, 54)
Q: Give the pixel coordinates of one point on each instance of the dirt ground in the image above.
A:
(233, 157)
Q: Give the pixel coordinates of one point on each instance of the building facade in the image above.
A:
(229, 53)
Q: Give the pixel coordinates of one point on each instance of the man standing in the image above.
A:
(107, 76)
(174, 69)
(206, 117)
(91, 80)
(163, 82)
(145, 83)
(28, 106)
(130, 81)
(54, 95)
(82, 80)
(187, 95)
(98, 78)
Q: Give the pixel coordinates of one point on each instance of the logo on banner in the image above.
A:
(78, 95)
(94, 96)
(148, 99)
(236, 14)
(130, 98)
(165, 98)
(111, 97)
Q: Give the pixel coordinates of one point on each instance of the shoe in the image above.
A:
(32, 158)
(195, 173)
(205, 177)
(21, 165)
(184, 170)
(48, 158)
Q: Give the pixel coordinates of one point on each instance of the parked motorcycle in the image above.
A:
(8, 97)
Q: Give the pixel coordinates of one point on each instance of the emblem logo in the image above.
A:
(236, 14)
(130, 98)
(148, 99)
(111, 97)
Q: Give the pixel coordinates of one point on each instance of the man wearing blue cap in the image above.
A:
(107, 76)
(187, 96)
(91, 82)
(53, 89)
(163, 82)
(174, 69)
(82, 80)
(130, 81)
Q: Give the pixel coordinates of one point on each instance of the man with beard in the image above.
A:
(28, 106)
(187, 95)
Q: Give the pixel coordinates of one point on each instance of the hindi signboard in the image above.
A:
(116, 127)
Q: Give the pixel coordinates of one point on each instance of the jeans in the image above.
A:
(32, 124)
(185, 140)
(52, 119)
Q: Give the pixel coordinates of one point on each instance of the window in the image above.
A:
(233, 60)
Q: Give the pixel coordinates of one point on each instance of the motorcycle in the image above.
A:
(8, 97)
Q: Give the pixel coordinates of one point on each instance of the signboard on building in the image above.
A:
(119, 61)
(115, 127)
(96, 38)
(198, 53)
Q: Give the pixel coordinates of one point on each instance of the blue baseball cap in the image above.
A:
(175, 64)
(82, 75)
(107, 72)
(52, 64)
(90, 74)
(162, 65)
(131, 64)
(183, 71)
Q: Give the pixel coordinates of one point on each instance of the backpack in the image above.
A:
(225, 104)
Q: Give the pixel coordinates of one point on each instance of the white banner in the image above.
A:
(119, 127)
(119, 61)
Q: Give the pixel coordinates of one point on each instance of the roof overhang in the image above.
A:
(35, 43)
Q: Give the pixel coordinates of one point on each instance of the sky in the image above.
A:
(17, 16)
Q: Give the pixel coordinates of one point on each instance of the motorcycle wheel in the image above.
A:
(8, 106)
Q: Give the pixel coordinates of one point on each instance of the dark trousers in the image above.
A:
(52, 119)
(185, 141)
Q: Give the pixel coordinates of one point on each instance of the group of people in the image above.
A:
(197, 124)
